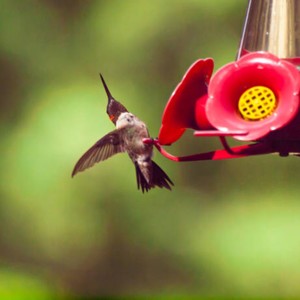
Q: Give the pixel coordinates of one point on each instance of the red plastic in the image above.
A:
(180, 109)
(253, 69)
(226, 153)
(212, 108)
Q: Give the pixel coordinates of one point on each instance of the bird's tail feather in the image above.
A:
(159, 178)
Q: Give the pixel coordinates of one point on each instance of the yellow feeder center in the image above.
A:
(257, 103)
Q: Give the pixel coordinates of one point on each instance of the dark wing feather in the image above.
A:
(106, 147)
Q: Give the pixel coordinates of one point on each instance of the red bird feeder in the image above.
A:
(254, 99)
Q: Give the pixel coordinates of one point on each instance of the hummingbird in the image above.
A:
(127, 137)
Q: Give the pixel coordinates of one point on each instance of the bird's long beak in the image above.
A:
(106, 88)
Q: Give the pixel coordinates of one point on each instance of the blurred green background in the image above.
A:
(227, 228)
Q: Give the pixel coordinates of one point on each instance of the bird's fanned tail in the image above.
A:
(159, 178)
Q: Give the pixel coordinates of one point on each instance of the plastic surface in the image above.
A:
(254, 69)
(179, 113)
(263, 81)
(257, 103)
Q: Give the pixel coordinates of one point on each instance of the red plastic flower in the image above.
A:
(270, 87)
(180, 110)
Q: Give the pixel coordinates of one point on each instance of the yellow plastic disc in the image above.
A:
(257, 103)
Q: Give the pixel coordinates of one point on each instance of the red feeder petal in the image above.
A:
(179, 112)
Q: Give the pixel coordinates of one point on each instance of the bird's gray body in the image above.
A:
(133, 133)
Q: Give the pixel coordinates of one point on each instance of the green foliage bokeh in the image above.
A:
(227, 228)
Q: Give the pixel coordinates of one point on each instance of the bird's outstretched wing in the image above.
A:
(106, 147)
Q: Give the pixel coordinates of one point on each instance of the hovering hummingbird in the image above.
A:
(127, 137)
